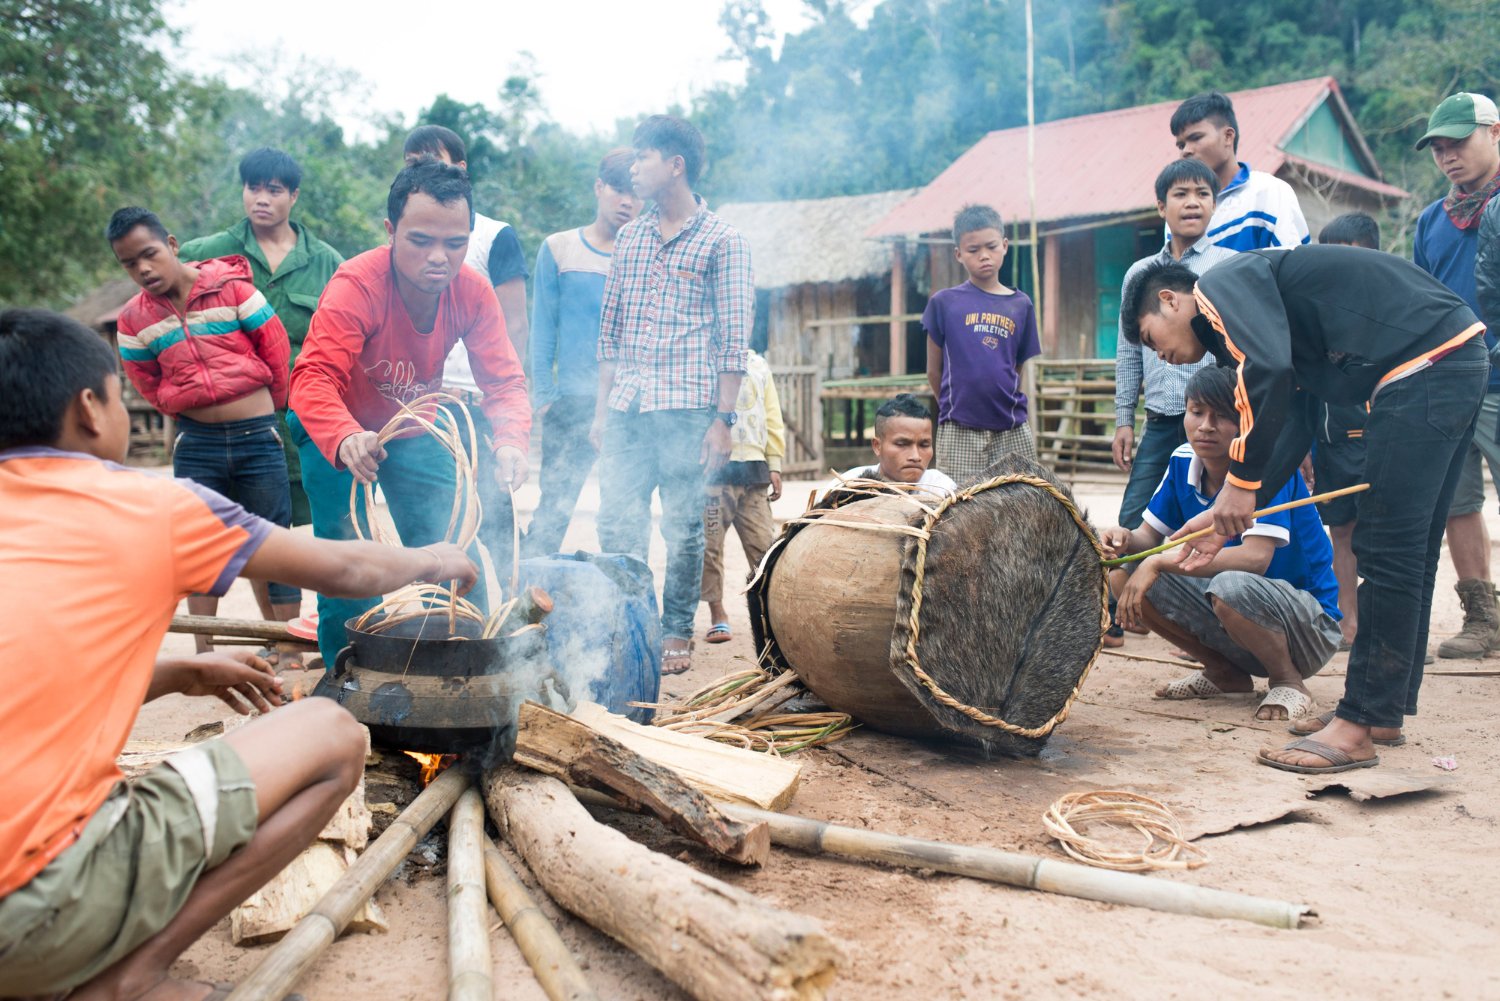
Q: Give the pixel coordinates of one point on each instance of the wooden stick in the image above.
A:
(515, 542)
(716, 941)
(1013, 869)
(291, 957)
(560, 746)
(555, 968)
(212, 625)
(1174, 543)
(1174, 661)
(468, 914)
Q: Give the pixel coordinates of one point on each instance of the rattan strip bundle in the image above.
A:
(1162, 844)
(712, 711)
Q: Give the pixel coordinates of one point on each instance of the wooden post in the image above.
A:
(290, 958)
(1051, 284)
(555, 968)
(898, 307)
(714, 940)
(468, 913)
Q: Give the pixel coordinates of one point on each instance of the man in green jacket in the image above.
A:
(288, 265)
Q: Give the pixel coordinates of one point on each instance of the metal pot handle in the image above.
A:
(341, 662)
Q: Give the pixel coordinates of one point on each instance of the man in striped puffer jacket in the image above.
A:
(203, 346)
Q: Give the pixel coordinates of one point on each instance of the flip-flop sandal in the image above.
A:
(718, 633)
(1325, 718)
(304, 628)
(1338, 761)
(1296, 704)
(680, 660)
(1194, 686)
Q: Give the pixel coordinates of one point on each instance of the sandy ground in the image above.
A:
(1404, 887)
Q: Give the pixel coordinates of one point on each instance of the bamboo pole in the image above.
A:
(469, 967)
(212, 625)
(555, 968)
(1030, 872)
(291, 957)
(1174, 543)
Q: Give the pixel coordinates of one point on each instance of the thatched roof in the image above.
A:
(102, 305)
(814, 240)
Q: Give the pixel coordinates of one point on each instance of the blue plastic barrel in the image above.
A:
(604, 635)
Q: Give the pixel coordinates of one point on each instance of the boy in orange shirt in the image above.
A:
(103, 884)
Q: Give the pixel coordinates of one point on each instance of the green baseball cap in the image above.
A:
(1458, 116)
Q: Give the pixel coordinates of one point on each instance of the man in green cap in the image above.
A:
(288, 264)
(1464, 137)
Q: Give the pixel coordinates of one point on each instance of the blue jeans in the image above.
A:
(1160, 438)
(657, 451)
(1416, 439)
(243, 461)
(567, 458)
(418, 483)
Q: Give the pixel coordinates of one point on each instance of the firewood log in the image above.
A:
(717, 942)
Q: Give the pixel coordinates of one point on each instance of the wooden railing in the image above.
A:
(1074, 404)
(798, 388)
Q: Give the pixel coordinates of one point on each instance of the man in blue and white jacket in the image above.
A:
(1255, 210)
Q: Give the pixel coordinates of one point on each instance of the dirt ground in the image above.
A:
(1405, 887)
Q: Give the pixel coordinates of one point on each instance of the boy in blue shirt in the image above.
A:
(1266, 605)
(567, 297)
(979, 334)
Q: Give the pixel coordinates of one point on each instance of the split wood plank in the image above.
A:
(273, 910)
(717, 770)
(716, 941)
(560, 746)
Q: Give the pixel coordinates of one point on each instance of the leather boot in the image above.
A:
(1481, 632)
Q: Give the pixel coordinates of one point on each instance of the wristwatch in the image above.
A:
(729, 417)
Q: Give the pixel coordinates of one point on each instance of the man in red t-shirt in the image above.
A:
(103, 884)
(387, 321)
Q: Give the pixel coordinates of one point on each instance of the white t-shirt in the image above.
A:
(935, 482)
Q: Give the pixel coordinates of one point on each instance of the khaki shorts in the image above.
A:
(129, 872)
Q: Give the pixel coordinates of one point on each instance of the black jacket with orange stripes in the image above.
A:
(1316, 323)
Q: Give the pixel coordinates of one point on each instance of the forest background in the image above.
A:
(95, 114)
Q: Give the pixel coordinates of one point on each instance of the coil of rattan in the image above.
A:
(1075, 821)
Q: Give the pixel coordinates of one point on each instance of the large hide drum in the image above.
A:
(974, 617)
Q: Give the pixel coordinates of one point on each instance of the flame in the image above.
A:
(431, 764)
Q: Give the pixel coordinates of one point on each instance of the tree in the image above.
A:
(83, 99)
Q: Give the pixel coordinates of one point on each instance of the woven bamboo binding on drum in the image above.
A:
(914, 663)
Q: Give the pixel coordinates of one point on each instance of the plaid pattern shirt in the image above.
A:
(676, 313)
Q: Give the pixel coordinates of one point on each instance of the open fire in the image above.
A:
(432, 764)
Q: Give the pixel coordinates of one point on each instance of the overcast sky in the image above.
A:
(598, 60)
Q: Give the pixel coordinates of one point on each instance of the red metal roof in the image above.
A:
(1106, 164)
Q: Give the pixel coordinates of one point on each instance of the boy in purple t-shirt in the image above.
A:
(978, 336)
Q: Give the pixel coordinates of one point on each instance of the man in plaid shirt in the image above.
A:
(673, 331)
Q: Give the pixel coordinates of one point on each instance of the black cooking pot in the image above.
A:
(419, 689)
